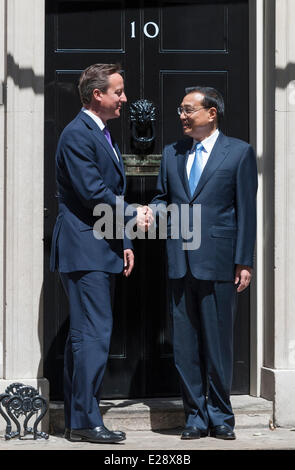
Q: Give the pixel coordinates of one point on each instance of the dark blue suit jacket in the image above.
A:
(88, 173)
(227, 194)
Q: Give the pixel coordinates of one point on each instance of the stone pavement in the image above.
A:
(247, 439)
(142, 420)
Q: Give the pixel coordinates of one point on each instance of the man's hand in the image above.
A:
(128, 262)
(242, 277)
(144, 217)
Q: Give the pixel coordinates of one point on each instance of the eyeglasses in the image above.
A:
(188, 111)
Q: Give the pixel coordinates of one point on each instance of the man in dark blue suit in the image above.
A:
(90, 171)
(219, 174)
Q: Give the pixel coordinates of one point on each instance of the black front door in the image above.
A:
(163, 47)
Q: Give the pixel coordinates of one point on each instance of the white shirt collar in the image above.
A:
(99, 122)
(209, 142)
(97, 119)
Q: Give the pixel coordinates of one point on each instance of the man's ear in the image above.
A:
(97, 94)
(213, 114)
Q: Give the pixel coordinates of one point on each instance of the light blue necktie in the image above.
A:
(196, 169)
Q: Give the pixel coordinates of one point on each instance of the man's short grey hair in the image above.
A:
(95, 76)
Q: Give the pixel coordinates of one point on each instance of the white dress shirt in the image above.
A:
(208, 145)
(100, 124)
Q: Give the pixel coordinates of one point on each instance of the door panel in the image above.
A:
(163, 47)
(88, 27)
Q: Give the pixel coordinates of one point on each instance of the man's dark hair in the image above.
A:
(95, 76)
(212, 98)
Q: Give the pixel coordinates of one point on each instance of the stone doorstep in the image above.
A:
(165, 413)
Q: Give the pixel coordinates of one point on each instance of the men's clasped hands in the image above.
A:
(145, 218)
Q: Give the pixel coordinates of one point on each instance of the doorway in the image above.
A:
(163, 47)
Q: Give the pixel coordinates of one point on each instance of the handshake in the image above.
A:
(144, 218)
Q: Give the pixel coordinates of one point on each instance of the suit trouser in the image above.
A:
(90, 295)
(203, 317)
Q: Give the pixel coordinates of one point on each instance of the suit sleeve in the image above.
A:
(127, 243)
(78, 156)
(161, 199)
(162, 186)
(246, 189)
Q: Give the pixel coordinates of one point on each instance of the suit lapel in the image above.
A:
(119, 154)
(121, 164)
(218, 154)
(103, 141)
(182, 162)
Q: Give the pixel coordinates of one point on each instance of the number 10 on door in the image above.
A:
(150, 30)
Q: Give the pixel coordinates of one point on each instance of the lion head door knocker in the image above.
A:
(142, 117)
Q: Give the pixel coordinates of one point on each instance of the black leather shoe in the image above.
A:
(100, 435)
(67, 433)
(118, 433)
(192, 432)
(222, 432)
